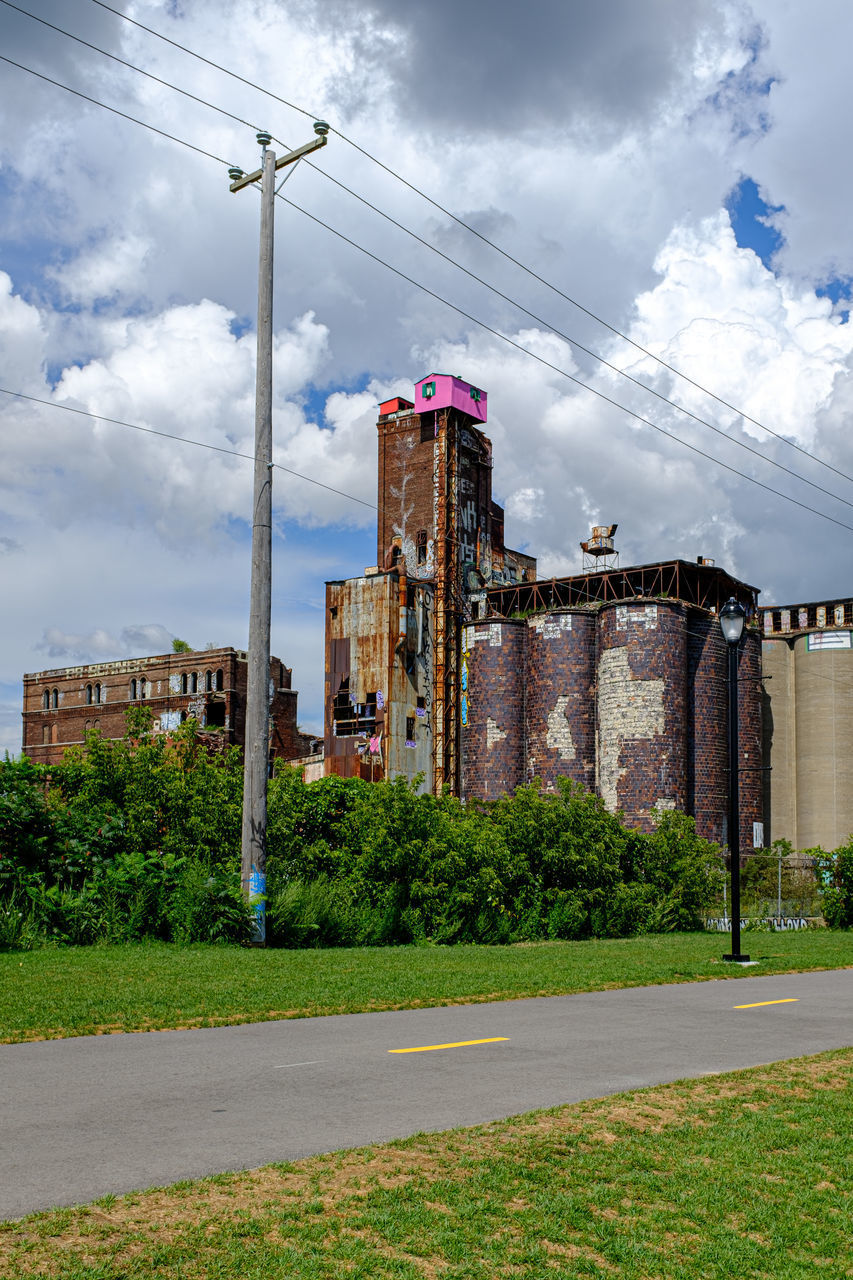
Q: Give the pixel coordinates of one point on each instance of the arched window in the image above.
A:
(183, 716)
(220, 680)
(87, 726)
(194, 682)
(143, 687)
(208, 681)
(133, 690)
(97, 693)
(45, 700)
(184, 683)
(88, 695)
(54, 699)
(54, 733)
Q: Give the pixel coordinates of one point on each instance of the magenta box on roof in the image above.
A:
(443, 391)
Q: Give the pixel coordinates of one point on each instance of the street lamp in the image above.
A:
(732, 617)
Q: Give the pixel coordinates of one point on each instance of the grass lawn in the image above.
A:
(74, 991)
(746, 1174)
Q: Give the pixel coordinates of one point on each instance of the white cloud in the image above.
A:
(598, 151)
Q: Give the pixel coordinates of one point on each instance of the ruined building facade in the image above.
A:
(61, 705)
(450, 660)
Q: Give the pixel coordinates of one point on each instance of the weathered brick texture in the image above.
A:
(707, 742)
(493, 739)
(208, 685)
(642, 730)
(560, 697)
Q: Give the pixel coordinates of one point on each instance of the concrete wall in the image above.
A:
(808, 727)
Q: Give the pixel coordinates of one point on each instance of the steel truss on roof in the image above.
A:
(704, 586)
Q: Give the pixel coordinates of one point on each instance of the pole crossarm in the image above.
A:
(292, 156)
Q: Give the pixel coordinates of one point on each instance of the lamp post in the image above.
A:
(732, 617)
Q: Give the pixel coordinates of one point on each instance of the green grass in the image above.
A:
(746, 1174)
(73, 991)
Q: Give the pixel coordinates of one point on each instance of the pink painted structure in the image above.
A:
(443, 391)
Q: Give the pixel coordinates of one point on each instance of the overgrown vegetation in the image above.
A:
(139, 839)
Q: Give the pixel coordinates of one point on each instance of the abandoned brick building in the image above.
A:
(210, 685)
(449, 659)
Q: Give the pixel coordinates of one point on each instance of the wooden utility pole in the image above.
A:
(253, 858)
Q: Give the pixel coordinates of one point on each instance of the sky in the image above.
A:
(652, 284)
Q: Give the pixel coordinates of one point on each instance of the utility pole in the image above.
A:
(253, 859)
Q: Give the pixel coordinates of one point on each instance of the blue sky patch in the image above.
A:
(749, 215)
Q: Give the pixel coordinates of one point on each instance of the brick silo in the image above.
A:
(492, 714)
(707, 743)
(751, 782)
(560, 697)
(641, 708)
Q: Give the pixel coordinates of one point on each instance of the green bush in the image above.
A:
(141, 839)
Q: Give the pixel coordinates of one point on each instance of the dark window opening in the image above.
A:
(421, 545)
(220, 680)
(352, 719)
(143, 688)
(45, 700)
(88, 695)
(97, 693)
(133, 690)
(184, 683)
(410, 731)
(208, 681)
(215, 718)
(428, 432)
(54, 699)
(421, 704)
(194, 682)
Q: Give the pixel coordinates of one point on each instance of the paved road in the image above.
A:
(80, 1118)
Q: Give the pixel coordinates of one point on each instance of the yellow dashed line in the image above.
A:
(456, 1044)
(761, 1003)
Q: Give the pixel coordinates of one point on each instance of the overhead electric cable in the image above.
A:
(474, 319)
(563, 372)
(85, 96)
(199, 444)
(484, 239)
(579, 346)
(130, 65)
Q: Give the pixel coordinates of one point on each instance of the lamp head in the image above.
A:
(732, 618)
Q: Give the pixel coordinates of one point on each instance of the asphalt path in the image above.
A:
(84, 1117)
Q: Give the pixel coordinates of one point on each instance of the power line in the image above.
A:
(564, 373)
(485, 240)
(130, 66)
(460, 311)
(447, 258)
(124, 115)
(198, 444)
